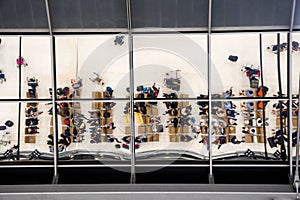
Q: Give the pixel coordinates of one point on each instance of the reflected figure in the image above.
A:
(119, 40)
(2, 77)
(21, 62)
(96, 79)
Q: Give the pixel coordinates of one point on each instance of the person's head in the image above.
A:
(111, 140)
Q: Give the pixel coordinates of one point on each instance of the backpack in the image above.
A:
(66, 121)
(106, 115)
(65, 91)
(233, 58)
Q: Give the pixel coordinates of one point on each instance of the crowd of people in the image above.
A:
(31, 111)
(73, 125)
(283, 47)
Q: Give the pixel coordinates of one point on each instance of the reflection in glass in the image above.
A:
(97, 61)
(9, 131)
(158, 59)
(251, 129)
(170, 130)
(170, 102)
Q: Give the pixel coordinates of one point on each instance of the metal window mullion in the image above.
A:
(290, 108)
(262, 84)
(290, 92)
(48, 17)
(20, 96)
(54, 113)
(211, 178)
(54, 98)
(131, 79)
(296, 176)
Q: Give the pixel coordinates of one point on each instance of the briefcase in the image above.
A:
(272, 142)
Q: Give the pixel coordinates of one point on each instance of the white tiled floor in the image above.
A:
(154, 56)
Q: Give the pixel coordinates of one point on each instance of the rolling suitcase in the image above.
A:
(173, 83)
(272, 142)
(140, 88)
(9, 123)
(254, 82)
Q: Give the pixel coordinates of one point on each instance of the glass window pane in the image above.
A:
(295, 63)
(167, 68)
(9, 134)
(250, 130)
(237, 67)
(95, 62)
(37, 66)
(10, 52)
(174, 62)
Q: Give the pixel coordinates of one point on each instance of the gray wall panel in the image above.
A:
(168, 13)
(146, 13)
(218, 13)
(297, 13)
(233, 12)
(111, 14)
(24, 11)
(119, 16)
(73, 13)
(39, 14)
(9, 13)
(89, 13)
(283, 12)
(228, 13)
(200, 13)
(184, 13)
(251, 19)
(23, 14)
(57, 13)
(266, 14)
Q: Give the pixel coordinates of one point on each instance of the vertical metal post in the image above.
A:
(210, 176)
(290, 91)
(20, 96)
(76, 64)
(296, 178)
(54, 88)
(262, 84)
(282, 146)
(278, 66)
(131, 78)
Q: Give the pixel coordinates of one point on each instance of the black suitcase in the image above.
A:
(106, 115)
(140, 88)
(160, 128)
(65, 91)
(254, 82)
(272, 142)
(173, 83)
(9, 123)
(27, 122)
(233, 58)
